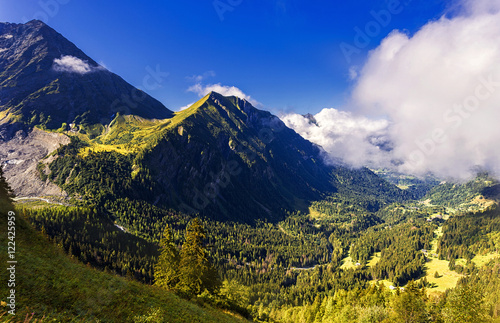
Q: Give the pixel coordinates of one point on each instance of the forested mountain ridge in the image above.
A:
(221, 158)
(238, 160)
(480, 191)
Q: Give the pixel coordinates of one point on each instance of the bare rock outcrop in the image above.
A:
(20, 156)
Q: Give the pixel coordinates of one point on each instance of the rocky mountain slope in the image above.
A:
(20, 157)
(46, 80)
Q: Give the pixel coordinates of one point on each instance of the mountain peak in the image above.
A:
(274, 168)
(219, 106)
(47, 80)
(219, 98)
(35, 23)
(212, 95)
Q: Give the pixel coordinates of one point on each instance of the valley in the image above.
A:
(305, 250)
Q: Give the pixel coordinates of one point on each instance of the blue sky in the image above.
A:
(285, 54)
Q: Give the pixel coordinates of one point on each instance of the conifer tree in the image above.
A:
(409, 305)
(5, 190)
(166, 271)
(196, 272)
(465, 303)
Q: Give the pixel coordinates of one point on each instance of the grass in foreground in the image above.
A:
(50, 284)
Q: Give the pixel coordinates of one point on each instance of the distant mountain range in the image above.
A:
(221, 157)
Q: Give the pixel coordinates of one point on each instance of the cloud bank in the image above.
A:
(71, 64)
(439, 90)
(355, 140)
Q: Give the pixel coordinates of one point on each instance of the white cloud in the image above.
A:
(438, 95)
(353, 73)
(186, 106)
(353, 139)
(475, 7)
(441, 90)
(203, 90)
(199, 78)
(71, 64)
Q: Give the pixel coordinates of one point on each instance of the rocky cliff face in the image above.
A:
(20, 157)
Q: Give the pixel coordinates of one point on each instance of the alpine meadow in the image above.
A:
(358, 183)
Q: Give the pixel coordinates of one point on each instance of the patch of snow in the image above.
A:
(14, 161)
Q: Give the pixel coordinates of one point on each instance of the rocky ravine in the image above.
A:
(20, 156)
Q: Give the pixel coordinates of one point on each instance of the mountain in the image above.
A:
(221, 157)
(46, 80)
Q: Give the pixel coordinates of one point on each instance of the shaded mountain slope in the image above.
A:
(46, 80)
(223, 156)
(50, 284)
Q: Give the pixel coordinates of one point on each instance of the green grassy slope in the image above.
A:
(469, 196)
(221, 158)
(52, 285)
